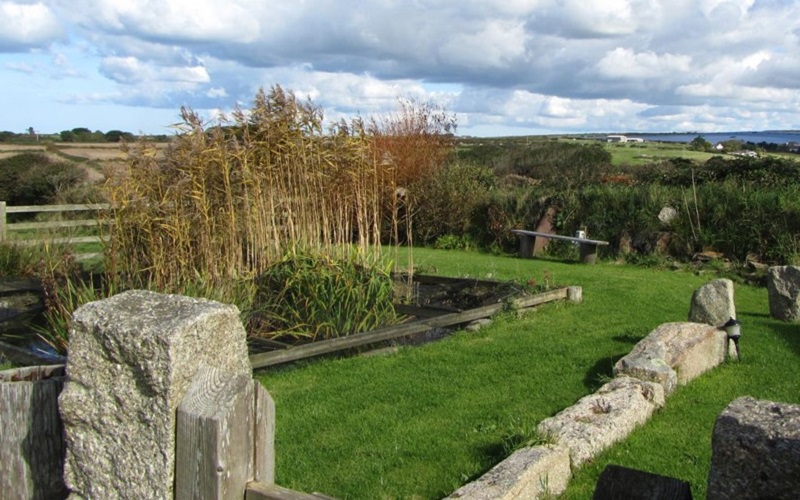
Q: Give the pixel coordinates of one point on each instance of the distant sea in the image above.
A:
(773, 136)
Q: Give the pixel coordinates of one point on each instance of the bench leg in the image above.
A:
(526, 244)
(588, 253)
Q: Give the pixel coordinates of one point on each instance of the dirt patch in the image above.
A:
(20, 148)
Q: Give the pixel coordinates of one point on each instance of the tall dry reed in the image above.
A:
(227, 200)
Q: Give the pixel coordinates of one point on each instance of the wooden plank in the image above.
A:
(539, 298)
(338, 344)
(446, 280)
(214, 445)
(262, 360)
(264, 436)
(421, 312)
(274, 344)
(558, 237)
(31, 433)
(56, 224)
(22, 209)
(261, 491)
(61, 240)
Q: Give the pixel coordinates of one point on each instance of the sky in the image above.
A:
(511, 67)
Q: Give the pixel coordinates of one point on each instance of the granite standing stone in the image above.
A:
(713, 303)
(131, 359)
(783, 286)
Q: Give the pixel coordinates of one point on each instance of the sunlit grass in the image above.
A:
(422, 422)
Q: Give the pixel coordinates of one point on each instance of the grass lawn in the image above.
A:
(424, 421)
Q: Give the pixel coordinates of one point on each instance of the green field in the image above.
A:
(422, 422)
(650, 152)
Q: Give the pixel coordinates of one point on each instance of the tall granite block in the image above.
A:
(783, 287)
(755, 451)
(713, 303)
(131, 360)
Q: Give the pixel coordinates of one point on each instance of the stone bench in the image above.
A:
(527, 242)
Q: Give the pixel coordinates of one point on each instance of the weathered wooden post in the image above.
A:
(225, 429)
(2, 220)
(31, 440)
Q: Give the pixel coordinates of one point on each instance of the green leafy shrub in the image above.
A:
(316, 296)
(453, 242)
(445, 201)
(560, 165)
(35, 178)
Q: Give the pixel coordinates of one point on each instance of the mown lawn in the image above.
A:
(419, 423)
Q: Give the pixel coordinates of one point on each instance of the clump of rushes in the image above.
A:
(16, 260)
(315, 296)
(66, 287)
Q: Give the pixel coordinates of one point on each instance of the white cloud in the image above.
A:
(176, 20)
(626, 63)
(27, 25)
(215, 92)
(21, 67)
(540, 64)
(129, 70)
(497, 44)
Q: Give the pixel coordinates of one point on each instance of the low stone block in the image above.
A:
(783, 287)
(131, 360)
(601, 419)
(529, 473)
(675, 353)
(755, 451)
(713, 303)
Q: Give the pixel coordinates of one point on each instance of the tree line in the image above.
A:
(78, 134)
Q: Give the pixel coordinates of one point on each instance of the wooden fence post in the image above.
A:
(31, 441)
(2, 220)
(224, 436)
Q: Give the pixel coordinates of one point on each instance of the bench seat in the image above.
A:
(587, 247)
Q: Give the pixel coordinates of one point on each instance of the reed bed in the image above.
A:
(226, 201)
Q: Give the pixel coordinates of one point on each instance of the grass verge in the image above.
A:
(424, 421)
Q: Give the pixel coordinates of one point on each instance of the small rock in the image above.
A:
(476, 325)
(667, 215)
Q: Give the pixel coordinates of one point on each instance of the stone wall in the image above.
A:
(673, 354)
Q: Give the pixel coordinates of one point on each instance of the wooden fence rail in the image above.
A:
(6, 227)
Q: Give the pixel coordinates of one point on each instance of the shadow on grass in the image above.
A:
(601, 372)
(791, 334)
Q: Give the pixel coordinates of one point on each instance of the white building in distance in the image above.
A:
(623, 138)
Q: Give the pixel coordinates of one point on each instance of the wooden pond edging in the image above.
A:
(263, 360)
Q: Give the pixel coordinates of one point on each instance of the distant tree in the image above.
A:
(732, 145)
(35, 178)
(67, 135)
(699, 143)
(118, 135)
(7, 136)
